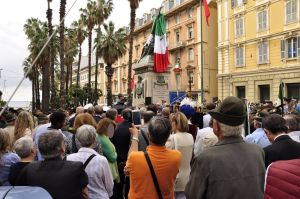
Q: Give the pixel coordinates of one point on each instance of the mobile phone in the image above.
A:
(136, 117)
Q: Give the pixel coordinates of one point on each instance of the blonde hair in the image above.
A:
(181, 122)
(84, 118)
(23, 121)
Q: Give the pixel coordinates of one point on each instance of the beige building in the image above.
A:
(258, 47)
(83, 75)
(183, 34)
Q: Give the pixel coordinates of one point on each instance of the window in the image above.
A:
(237, 3)
(239, 55)
(177, 57)
(116, 87)
(290, 48)
(177, 37)
(191, 54)
(239, 27)
(241, 92)
(262, 53)
(190, 12)
(262, 20)
(101, 65)
(293, 90)
(177, 18)
(190, 32)
(291, 11)
(177, 2)
(191, 77)
(264, 92)
(124, 86)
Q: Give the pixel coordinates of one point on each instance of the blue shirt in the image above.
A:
(6, 161)
(258, 137)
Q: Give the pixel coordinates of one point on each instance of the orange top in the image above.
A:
(166, 166)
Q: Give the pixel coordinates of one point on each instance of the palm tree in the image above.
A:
(89, 19)
(37, 33)
(62, 12)
(71, 51)
(104, 9)
(80, 36)
(111, 46)
(32, 77)
(134, 4)
(51, 54)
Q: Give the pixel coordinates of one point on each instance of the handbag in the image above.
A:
(153, 175)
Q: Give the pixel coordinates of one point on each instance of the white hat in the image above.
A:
(87, 106)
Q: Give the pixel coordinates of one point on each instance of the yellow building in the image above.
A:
(258, 46)
(183, 33)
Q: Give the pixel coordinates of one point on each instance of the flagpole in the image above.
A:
(201, 51)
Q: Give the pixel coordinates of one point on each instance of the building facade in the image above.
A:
(184, 44)
(258, 47)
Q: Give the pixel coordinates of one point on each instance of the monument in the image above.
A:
(150, 87)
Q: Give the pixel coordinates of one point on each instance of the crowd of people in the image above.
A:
(180, 152)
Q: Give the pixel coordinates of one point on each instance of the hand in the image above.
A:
(134, 131)
(126, 171)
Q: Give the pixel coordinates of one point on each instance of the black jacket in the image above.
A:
(283, 148)
(121, 140)
(62, 179)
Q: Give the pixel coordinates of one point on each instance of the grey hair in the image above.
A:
(24, 146)
(111, 113)
(231, 130)
(86, 135)
(50, 144)
(292, 122)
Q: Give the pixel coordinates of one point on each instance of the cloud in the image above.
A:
(13, 14)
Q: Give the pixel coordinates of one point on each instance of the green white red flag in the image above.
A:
(158, 35)
(206, 10)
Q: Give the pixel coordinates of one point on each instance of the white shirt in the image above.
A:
(206, 120)
(295, 135)
(205, 138)
(100, 179)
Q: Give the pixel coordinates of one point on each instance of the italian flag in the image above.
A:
(159, 37)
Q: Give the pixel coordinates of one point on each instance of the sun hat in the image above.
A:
(231, 111)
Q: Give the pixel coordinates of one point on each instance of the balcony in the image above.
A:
(176, 45)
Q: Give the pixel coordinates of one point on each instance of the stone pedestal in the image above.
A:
(148, 84)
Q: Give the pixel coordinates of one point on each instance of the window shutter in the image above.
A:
(282, 49)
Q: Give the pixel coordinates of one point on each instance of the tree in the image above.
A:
(88, 16)
(110, 46)
(71, 51)
(37, 34)
(81, 34)
(134, 4)
(62, 12)
(104, 9)
(52, 54)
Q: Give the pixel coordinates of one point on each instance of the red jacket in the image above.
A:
(283, 180)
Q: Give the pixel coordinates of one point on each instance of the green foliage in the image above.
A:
(78, 95)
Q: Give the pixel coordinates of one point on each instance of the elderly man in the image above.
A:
(232, 168)
(258, 136)
(282, 147)
(164, 163)
(96, 166)
(79, 110)
(25, 149)
(293, 124)
(62, 179)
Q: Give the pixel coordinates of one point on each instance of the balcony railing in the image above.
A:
(176, 45)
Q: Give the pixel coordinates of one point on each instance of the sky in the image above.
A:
(13, 42)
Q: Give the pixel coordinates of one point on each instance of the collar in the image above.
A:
(53, 159)
(230, 140)
(87, 150)
(280, 137)
(156, 148)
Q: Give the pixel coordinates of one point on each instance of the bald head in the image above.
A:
(79, 110)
